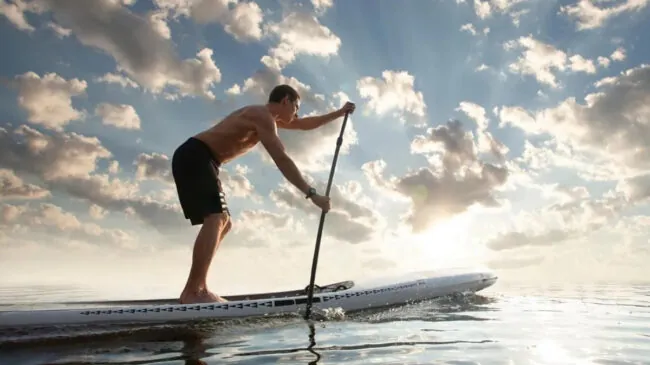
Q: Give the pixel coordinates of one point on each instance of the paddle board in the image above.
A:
(347, 295)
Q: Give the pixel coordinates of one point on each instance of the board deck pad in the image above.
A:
(329, 288)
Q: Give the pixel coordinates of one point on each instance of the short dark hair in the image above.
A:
(279, 92)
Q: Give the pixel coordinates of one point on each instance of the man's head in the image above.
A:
(286, 102)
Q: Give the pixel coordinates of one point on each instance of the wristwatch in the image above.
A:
(311, 192)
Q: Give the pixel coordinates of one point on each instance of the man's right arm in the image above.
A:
(268, 135)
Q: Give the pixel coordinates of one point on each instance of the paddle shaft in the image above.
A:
(314, 264)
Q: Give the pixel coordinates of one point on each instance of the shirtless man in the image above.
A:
(196, 163)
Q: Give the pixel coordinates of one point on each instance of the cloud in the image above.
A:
(58, 30)
(486, 141)
(350, 219)
(15, 13)
(320, 6)
(48, 99)
(118, 115)
(299, 33)
(469, 28)
(241, 19)
(589, 15)
(13, 187)
(137, 46)
(97, 212)
(264, 80)
(37, 221)
(542, 60)
(455, 180)
(609, 124)
(111, 78)
(67, 163)
(485, 9)
(394, 93)
(573, 216)
(255, 228)
(155, 166)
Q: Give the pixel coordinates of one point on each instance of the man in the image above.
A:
(196, 163)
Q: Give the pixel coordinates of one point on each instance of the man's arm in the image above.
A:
(308, 123)
(268, 135)
(314, 122)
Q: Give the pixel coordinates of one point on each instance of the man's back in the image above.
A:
(233, 136)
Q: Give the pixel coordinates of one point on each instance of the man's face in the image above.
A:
(292, 108)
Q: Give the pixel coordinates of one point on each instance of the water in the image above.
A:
(505, 324)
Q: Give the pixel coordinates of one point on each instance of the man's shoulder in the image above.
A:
(257, 113)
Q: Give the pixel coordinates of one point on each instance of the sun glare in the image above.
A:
(449, 239)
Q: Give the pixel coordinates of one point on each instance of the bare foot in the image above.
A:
(203, 296)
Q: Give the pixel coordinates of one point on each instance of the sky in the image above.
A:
(506, 134)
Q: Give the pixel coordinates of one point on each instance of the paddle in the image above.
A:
(310, 292)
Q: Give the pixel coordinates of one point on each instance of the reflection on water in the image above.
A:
(588, 325)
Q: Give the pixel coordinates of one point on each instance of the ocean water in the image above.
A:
(504, 324)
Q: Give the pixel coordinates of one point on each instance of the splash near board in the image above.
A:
(346, 295)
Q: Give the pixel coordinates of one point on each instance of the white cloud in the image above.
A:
(320, 6)
(469, 28)
(97, 212)
(155, 166)
(589, 15)
(351, 218)
(59, 30)
(137, 46)
(299, 33)
(538, 59)
(67, 163)
(486, 142)
(544, 61)
(455, 180)
(580, 64)
(618, 54)
(158, 21)
(48, 99)
(118, 115)
(260, 84)
(394, 93)
(610, 122)
(34, 222)
(13, 187)
(487, 8)
(15, 10)
(482, 8)
(111, 78)
(240, 19)
(475, 112)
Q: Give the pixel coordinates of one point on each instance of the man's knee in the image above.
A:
(220, 220)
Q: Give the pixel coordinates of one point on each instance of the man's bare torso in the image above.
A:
(234, 136)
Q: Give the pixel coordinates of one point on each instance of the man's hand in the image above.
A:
(321, 201)
(348, 107)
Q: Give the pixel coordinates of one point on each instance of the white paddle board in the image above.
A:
(346, 295)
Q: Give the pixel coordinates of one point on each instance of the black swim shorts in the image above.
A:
(196, 174)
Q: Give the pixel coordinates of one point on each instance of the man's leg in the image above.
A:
(215, 227)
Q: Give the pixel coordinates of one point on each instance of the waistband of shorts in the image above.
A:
(206, 147)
